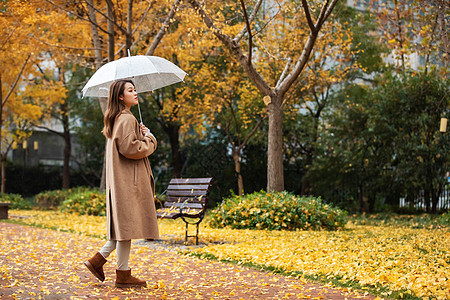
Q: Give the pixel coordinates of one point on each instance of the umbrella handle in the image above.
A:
(140, 116)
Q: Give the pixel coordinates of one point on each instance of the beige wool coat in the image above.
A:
(130, 187)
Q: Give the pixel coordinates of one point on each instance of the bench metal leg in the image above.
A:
(196, 236)
(186, 233)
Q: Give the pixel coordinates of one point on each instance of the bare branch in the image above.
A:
(88, 19)
(49, 130)
(7, 39)
(308, 16)
(267, 23)
(62, 46)
(250, 38)
(250, 134)
(307, 49)
(330, 9)
(239, 36)
(254, 76)
(143, 18)
(129, 15)
(283, 75)
(16, 80)
(163, 28)
(111, 18)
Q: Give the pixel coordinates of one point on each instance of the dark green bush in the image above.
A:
(444, 219)
(277, 211)
(52, 199)
(85, 202)
(16, 200)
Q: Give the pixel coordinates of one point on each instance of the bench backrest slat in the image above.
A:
(188, 187)
(190, 181)
(190, 193)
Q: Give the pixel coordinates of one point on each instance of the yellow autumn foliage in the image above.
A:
(400, 258)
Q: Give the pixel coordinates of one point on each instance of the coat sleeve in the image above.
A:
(130, 141)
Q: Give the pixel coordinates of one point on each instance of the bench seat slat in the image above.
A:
(190, 205)
(183, 199)
(167, 215)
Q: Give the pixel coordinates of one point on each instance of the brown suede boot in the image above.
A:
(95, 265)
(125, 280)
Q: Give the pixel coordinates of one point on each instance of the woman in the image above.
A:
(130, 187)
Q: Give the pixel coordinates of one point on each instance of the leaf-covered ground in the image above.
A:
(392, 260)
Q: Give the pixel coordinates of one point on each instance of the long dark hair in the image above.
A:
(115, 105)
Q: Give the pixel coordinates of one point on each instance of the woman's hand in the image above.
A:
(144, 129)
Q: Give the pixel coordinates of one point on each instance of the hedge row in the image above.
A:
(277, 211)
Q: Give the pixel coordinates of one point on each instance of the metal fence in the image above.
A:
(419, 201)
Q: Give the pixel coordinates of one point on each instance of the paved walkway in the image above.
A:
(41, 263)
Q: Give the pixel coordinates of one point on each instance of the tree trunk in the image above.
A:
(372, 199)
(173, 131)
(426, 199)
(129, 34)
(67, 147)
(3, 159)
(306, 186)
(275, 174)
(1, 137)
(362, 199)
(237, 169)
(95, 36)
(111, 41)
(435, 200)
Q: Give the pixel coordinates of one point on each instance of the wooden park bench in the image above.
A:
(186, 198)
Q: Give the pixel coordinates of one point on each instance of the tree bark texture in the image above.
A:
(67, 148)
(275, 170)
(237, 169)
(95, 36)
(1, 126)
(111, 34)
(173, 131)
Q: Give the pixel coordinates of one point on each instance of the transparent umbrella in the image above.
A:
(147, 72)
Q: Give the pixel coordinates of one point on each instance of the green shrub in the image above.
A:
(16, 200)
(444, 219)
(85, 202)
(52, 199)
(277, 211)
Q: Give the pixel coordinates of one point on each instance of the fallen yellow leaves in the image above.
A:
(397, 257)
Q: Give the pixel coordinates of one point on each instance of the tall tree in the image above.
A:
(335, 62)
(123, 24)
(26, 95)
(278, 44)
(416, 32)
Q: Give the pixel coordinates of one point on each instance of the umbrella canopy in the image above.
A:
(147, 72)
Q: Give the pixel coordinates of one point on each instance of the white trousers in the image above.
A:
(123, 252)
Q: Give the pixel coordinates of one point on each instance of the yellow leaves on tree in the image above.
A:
(411, 28)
